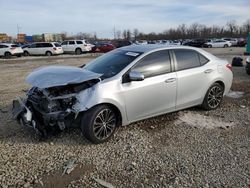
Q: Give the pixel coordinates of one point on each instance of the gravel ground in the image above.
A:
(190, 148)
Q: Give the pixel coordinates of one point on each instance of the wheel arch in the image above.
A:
(113, 107)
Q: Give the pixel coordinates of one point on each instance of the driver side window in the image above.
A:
(154, 64)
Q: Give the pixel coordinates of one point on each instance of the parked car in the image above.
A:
(25, 46)
(8, 49)
(242, 42)
(123, 86)
(248, 65)
(219, 43)
(195, 43)
(121, 43)
(233, 41)
(43, 48)
(103, 47)
(76, 46)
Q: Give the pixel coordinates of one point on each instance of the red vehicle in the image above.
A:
(103, 47)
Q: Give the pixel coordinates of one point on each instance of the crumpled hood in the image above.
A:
(53, 76)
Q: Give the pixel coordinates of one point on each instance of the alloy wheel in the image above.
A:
(104, 124)
(215, 96)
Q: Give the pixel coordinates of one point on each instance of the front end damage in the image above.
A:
(52, 108)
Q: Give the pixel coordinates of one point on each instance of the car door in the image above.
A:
(193, 74)
(64, 46)
(2, 50)
(71, 46)
(156, 94)
(32, 49)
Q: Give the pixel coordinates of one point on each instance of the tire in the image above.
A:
(213, 97)
(26, 53)
(78, 51)
(7, 55)
(248, 72)
(48, 53)
(209, 46)
(99, 123)
(225, 46)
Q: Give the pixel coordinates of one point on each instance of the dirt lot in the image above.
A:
(190, 148)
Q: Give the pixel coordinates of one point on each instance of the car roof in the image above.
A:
(152, 47)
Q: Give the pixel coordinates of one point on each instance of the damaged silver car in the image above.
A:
(123, 86)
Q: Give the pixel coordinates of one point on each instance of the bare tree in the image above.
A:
(118, 34)
(135, 33)
(232, 26)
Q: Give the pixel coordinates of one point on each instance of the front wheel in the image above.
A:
(48, 53)
(99, 124)
(225, 46)
(213, 97)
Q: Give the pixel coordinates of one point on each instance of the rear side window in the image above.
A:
(47, 45)
(33, 45)
(79, 42)
(203, 59)
(154, 64)
(14, 46)
(65, 43)
(186, 59)
(57, 45)
(3, 46)
(71, 42)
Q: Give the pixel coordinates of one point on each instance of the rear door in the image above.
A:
(156, 94)
(194, 75)
(32, 49)
(71, 46)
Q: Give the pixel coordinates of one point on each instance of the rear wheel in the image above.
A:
(99, 124)
(213, 97)
(248, 72)
(209, 46)
(78, 51)
(225, 46)
(7, 55)
(48, 53)
(26, 53)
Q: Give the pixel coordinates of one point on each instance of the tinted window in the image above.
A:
(71, 42)
(65, 43)
(154, 64)
(112, 63)
(203, 60)
(47, 45)
(14, 46)
(3, 46)
(33, 46)
(79, 42)
(186, 59)
(57, 45)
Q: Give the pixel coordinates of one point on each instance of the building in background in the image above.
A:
(48, 37)
(29, 39)
(4, 37)
(37, 38)
(21, 38)
(58, 37)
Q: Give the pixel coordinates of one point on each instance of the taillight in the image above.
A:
(54, 48)
(229, 66)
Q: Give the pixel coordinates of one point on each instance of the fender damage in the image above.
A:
(51, 102)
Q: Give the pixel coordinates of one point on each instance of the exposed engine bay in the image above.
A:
(52, 108)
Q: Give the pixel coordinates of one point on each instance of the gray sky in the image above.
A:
(100, 16)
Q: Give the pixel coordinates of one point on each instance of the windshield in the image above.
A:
(112, 63)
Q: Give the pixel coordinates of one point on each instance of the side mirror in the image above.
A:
(81, 66)
(135, 76)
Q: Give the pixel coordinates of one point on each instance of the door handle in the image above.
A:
(170, 80)
(208, 71)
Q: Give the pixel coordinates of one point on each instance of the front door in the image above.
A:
(156, 94)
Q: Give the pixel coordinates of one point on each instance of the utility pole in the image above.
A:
(114, 33)
(18, 29)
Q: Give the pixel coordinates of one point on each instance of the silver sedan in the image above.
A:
(124, 86)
